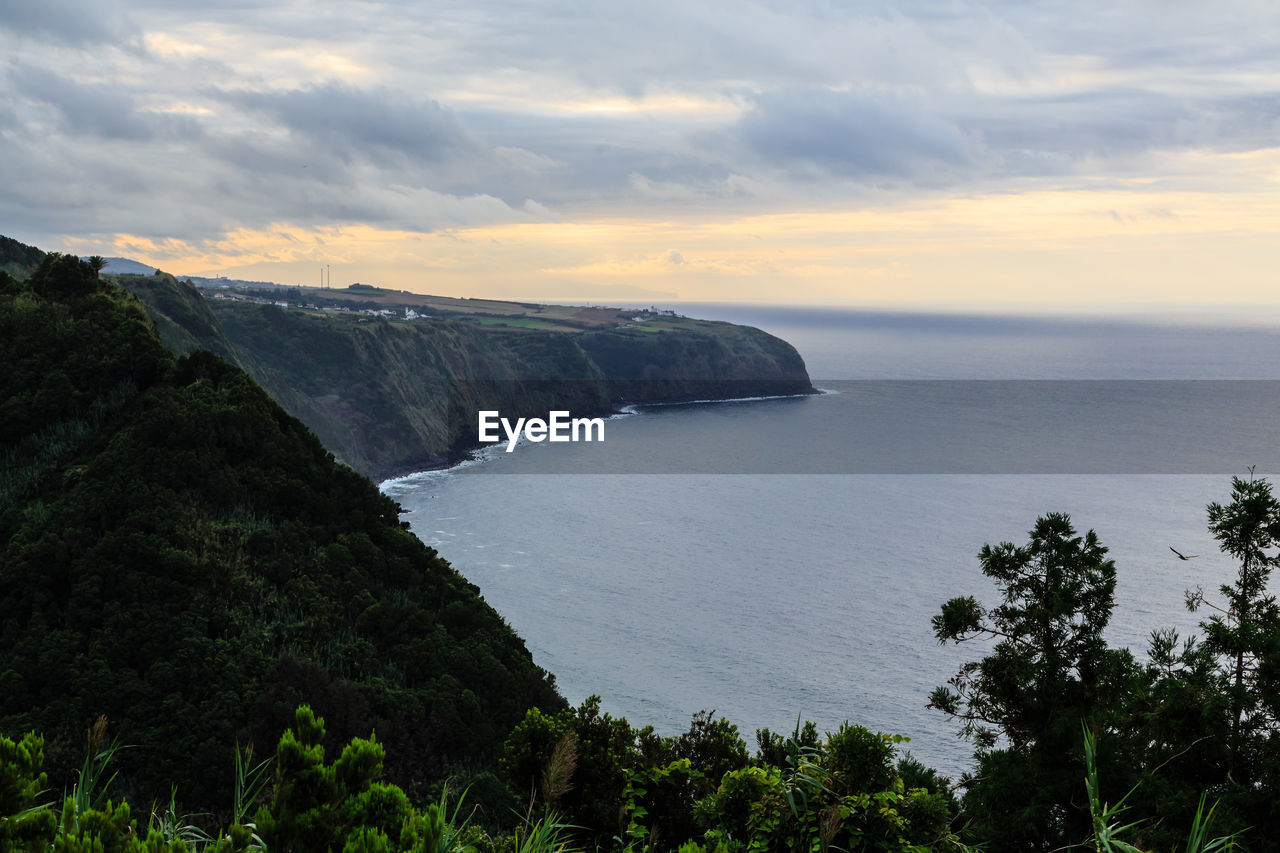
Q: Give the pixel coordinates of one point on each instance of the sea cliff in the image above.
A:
(389, 395)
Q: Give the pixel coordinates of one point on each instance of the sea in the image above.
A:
(778, 560)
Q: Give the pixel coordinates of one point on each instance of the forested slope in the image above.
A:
(388, 397)
(180, 554)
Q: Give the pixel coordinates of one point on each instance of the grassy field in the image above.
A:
(491, 313)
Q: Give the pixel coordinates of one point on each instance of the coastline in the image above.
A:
(479, 455)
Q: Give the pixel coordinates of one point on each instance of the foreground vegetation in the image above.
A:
(842, 792)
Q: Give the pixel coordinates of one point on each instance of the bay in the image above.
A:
(778, 558)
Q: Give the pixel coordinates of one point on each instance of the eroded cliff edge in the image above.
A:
(389, 395)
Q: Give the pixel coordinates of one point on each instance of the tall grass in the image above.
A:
(89, 793)
(440, 830)
(178, 827)
(545, 835)
(1108, 826)
(250, 784)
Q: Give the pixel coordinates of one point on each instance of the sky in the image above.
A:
(941, 153)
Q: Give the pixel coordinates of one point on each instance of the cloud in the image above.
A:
(353, 123)
(63, 21)
(1060, 131)
(170, 120)
(97, 109)
(340, 132)
(850, 134)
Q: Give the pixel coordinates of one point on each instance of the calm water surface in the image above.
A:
(803, 582)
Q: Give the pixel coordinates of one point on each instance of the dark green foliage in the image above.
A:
(1245, 630)
(773, 748)
(1168, 737)
(634, 788)
(1049, 668)
(1233, 736)
(607, 748)
(325, 807)
(841, 794)
(181, 555)
(712, 745)
(1191, 733)
(342, 806)
(861, 759)
(659, 804)
(915, 774)
(1199, 720)
(1114, 822)
(63, 357)
(18, 259)
(184, 321)
(24, 823)
(88, 821)
(65, 277)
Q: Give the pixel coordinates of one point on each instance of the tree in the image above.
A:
(589, 794)
(1246, 630)
(1047, 671)
(64, 276)
(24, 822)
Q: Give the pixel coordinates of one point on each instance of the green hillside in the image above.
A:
(389, 396)
(18, 259)
(183, 556)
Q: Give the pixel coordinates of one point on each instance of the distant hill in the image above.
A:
(181, 555)
(125, 266)
(18, 259)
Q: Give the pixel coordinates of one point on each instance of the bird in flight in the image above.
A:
(1182, 556)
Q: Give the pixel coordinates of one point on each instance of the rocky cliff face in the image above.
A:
(708, 361)
(392, 396)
